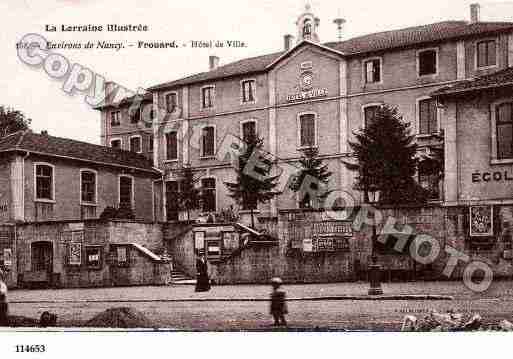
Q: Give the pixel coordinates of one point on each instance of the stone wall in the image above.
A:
(139, 269)
(179, 241)
(448, 226)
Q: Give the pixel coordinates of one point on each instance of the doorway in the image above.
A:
(42, 257)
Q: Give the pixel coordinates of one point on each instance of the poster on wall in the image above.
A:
(75, 253)
(7, 257)
(481, 221)
(199, 241)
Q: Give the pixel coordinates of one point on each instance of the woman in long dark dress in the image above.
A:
(202, 279)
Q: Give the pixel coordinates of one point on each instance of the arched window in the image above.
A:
(307, 27)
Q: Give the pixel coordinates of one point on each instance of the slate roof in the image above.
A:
(82, 151)
(500, 78)
(387, 40)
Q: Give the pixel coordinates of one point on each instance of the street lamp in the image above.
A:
(374, 267)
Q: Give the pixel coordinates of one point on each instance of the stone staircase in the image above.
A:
(178, 277)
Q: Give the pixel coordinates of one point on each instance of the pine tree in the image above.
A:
(189, 196)
(384, 153)
(315, 175)
(254, 184)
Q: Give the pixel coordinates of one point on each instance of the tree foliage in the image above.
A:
(254, 182)
(12, 121)
(311, 180)
(189, 196)
(385, 161)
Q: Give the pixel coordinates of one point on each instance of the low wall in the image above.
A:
(84, 254)
(448, 226)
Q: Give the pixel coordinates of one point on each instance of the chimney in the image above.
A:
(213, 62)
(475, 9)
(287, 42)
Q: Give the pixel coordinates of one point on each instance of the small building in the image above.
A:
(52, 194)
(478, 122)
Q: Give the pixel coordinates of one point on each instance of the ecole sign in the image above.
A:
(306, 95)
(496, 176)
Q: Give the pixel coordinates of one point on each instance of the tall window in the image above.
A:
(504, 123)
(88, 186)
(209, 194)
(208, 142)
(486, 53)
(248, 130)
(427, 117)
(125, 191)
(171, 102)
(248, 91)
(171, 146)
(369, 113)
(150, 143)
(115, 144)
(307, 130)
(115, 118)
(44, 182)
(135, 144)
(207, 97)
(135, 115)
(427, 62)
(372, 71)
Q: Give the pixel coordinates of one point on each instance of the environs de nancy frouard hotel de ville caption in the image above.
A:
(450, 80)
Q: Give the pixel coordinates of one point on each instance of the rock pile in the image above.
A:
(121, 317)
(450, 322)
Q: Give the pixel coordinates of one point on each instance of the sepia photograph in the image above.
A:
(170, 170)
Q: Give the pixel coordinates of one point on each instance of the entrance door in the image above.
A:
(42, 257)
(172, 200)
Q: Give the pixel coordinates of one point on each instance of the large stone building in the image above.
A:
(311, 94)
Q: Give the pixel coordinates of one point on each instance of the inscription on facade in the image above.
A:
(496, 176)
(306, 95)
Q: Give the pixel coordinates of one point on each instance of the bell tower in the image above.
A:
(307, 25)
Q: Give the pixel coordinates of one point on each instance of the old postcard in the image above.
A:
(259, 167)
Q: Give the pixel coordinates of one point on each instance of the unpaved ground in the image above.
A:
(169, 306)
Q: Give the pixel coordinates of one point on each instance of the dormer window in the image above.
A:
(486, 53)
(248, 91)
(207, 96)
(372, 68)
(115, 118)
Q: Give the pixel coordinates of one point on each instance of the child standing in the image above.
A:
(278, 303)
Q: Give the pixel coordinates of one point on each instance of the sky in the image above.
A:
(260, 24)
